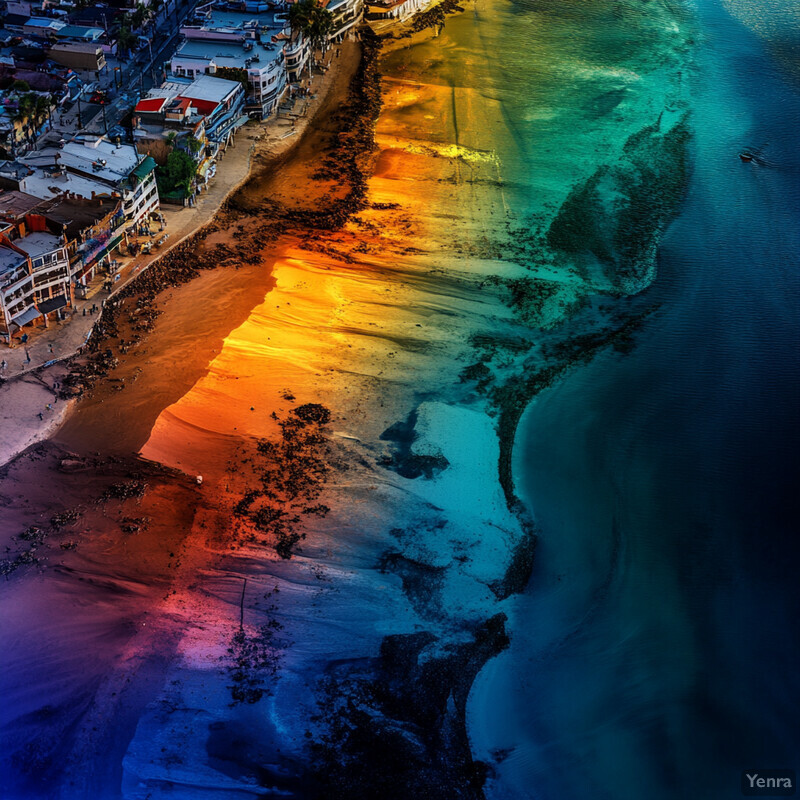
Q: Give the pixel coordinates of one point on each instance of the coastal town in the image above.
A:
(115, 120)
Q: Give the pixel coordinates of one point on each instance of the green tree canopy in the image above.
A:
(126, 39)
(313, 20)
(233, 74)
(178, 175)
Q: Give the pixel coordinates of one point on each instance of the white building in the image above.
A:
(34, 279)
(346, 15)
(251, 42)
(394, 9)
(95, 168)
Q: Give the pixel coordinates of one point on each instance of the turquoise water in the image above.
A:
(654, 654)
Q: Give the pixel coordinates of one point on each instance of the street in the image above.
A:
(126, 79)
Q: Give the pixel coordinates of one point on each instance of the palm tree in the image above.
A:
(313, 20)
(125, 39)
(140, 16)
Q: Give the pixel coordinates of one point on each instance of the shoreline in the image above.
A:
(443, 620)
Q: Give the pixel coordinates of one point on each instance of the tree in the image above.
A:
(178, 175)
(234, 74)
(195, 145)
(126, 39)
(140, 16)
(313, 20)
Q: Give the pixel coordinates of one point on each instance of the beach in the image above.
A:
(288, 539)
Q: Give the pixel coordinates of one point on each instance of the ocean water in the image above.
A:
(655, 651)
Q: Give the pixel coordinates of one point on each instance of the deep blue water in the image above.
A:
(656, 651)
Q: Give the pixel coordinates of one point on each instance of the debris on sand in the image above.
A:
(124, 490)
(292, 473)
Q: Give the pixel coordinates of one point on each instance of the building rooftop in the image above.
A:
(97, 158)
(80, 32)
(77, 213)
(151, 105)
(45, 23)
(221, 18)
(38, 243)
(46, 186)
(17, 204)
(9, 258)
(14, 169)
(229, 54)
(209, 88)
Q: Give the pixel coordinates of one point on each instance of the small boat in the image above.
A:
(746, 156)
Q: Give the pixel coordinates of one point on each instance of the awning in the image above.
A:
(53, 304)
(145, 168)
(104, 249)
(25, 317)
(241, 121)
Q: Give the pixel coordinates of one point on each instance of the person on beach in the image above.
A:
(41, 416)
(50, 347)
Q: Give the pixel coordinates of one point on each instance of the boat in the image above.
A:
(746, 156)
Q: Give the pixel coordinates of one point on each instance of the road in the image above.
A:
(137, 74)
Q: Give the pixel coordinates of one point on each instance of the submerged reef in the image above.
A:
(615, 218)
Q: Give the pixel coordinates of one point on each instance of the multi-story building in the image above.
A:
(93, 230)
(226, 43)
(34, 277)
(95, 168)
(216, 102)
(393, 9)
(346, 15)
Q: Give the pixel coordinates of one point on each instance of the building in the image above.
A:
(346, 15)
(42, 27)
(80, 33)
(95, 168)
(226, 43)
(92, 229)
(394, 9)
(219, 102)
(199, 117)
(34, 277)
(78, 55)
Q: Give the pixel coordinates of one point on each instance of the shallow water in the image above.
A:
(654, 653)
